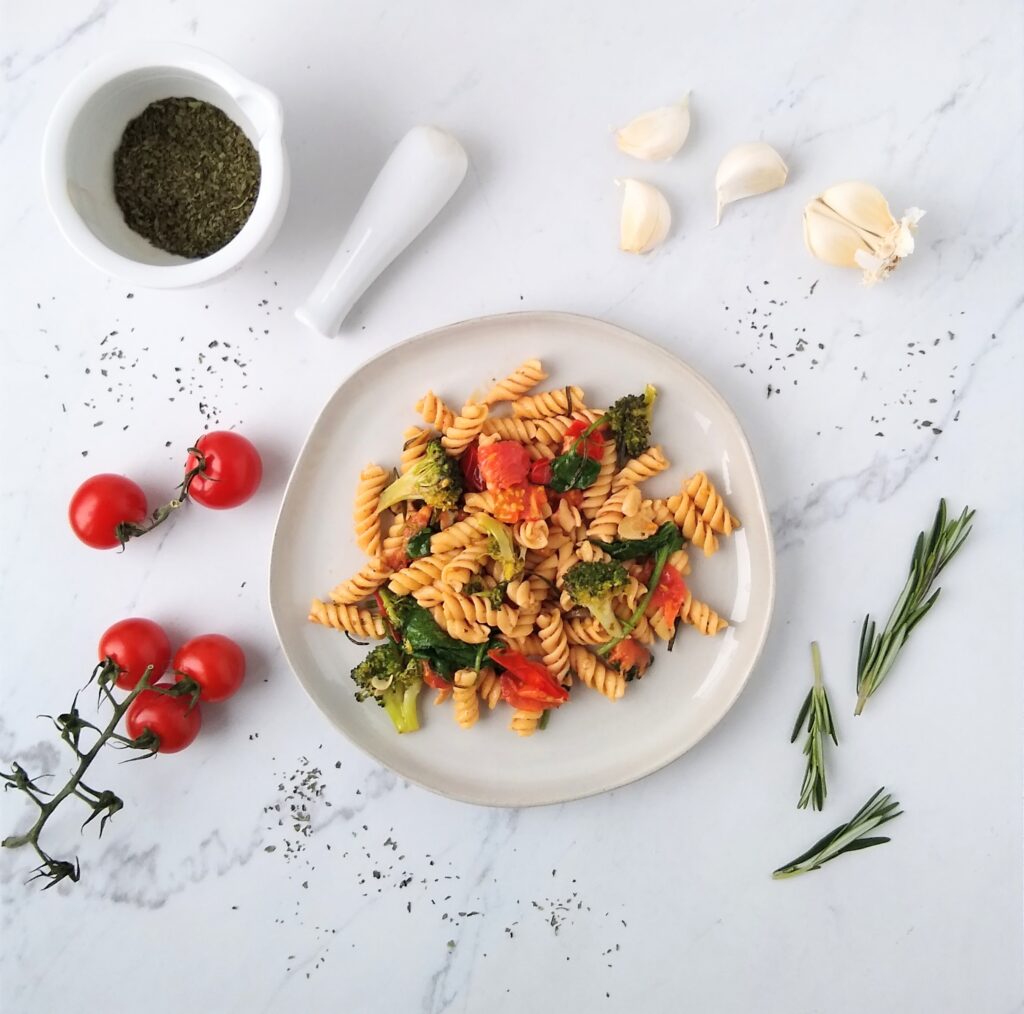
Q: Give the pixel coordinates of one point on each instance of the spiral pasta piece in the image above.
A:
(517, 383)
(464, 429)
(598, 676)
(467, 705)
(415, 447)
(464, 565)
(419, 574)
(362, 584)
(350, 619)
(429, 596)
(561, 401)
(596, 494)
(525, 723)
(686, 516)
(660, 512)
(606, 522)
(435, 412)
(463, 629)
(639, 525)
(478, 503)
(567, 517)
(584, 630)
(509, 428)
(489, 687)
(652, 462)
(551, 430)
(701, 615)
(713, 510)
(365, 518)
(680, 560)
(528, 645)
(456, 536)
(476, 609)
(531, 534)
(554, 643)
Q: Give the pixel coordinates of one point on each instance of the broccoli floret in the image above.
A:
(434, 479)
(502, 547)
(594, 585)
(630, 420)
(393, 679)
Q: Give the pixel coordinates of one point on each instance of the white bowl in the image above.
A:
(85, 129)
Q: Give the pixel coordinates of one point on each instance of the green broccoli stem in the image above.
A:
(660, 559)
(400, 704)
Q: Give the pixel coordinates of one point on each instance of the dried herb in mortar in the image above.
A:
(185, 176)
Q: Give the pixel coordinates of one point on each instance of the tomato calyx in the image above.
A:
(129, 530)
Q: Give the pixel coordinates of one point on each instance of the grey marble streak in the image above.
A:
(14, 65)
(875, 482)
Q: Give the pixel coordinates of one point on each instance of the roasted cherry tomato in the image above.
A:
(574, 497)
(469, 464)
(212, 661)
(527, 684)
(174, 721)
(503, 464)
(134, 644)
(103, 502)
(670, 594)
(592, 446)
(540, 472)
(431, 678)
(630, 657)
(520, 503)
(231, 472)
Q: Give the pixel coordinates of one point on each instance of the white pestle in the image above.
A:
(416, 182)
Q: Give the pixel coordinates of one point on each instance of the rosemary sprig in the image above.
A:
(818, 716)
(932, 552)
(103, 802)
(848, 837)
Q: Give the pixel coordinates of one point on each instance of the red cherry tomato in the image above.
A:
(540, 472)
(469, 464)
(520, 503)
(528, 684)
(431, 678)
(503, 464)
(134, 644)
(103, 502)
(629, 656)
(214, 662)
(231, 474)
(171, 720)
(592, 446)
(670, 594)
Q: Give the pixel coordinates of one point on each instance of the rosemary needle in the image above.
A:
(932, 552)
(818, 716)
(848, 837)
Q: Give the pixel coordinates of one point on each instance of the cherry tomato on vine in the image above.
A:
(174, 721)
(134, 644)
(231, 472)
(214, 663)
(103, 502)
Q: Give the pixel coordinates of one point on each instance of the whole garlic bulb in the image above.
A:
(646, 217)
(850, 225)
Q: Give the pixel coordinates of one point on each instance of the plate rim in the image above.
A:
(546, 317)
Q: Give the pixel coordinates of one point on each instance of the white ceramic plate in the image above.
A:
(591, 744)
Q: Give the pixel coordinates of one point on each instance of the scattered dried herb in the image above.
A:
(185, 176)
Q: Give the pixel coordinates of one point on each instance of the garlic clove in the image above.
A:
(850, 224)
(657, 134)
(645, 219)
(746, 171)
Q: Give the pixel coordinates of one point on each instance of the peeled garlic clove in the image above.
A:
(851, 225)
(646, 217)
(748, 170)
(658, 134)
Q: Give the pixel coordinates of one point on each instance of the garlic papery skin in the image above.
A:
(746, 171)
(656, 135)
(850, 225)
(646, 217)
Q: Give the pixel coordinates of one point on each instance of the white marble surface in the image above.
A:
(655, 897)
